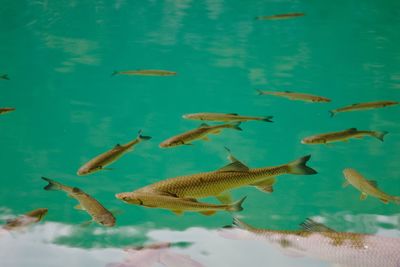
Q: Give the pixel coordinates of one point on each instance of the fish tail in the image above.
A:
(241, 225)
(5, 77)
(115, 72)
(235, 126)
(237, 206)
(143, 137)
(261, 92)
(267, 118)
(379, 134)
(53, 185)
(332, 113)
(396, 200)
(299, 166)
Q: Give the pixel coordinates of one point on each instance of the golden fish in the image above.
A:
(342, 136)
(221, 117)
(317, 241)
(281, 16)
(4, 77)
(296, 96)
(6, 110)
(199, 133)
(101, 161)
(145, 72)
(87, 203)
(363, 106)
(367, 187)
(234, 175)
(177, 205)
(28, 218)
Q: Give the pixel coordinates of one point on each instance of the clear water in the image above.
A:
(59, 57)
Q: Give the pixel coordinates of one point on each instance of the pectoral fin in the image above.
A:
(208, 212)
(384, 200)
(225, 198)
(178, 212)
(266, 185)
(313, 226)
(363, 196)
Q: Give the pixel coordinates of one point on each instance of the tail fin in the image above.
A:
(115, 72)
(5, 77)
(237, 206)
(241, 225)
(235, 126)
(299, 166)
(380, 134)
(260, 92)
(268, 118)
(396, 200)
(53, 185)
(332, 112)
(143, 137)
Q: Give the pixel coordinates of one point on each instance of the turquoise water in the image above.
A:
(60, 56)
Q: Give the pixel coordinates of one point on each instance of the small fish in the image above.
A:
(317, 241)
(296, 96)
(280, 16)
(363, 106)
(87, 203)
(234, 175)
(145, 72)
(367, 187)
(6, 110)
(4, 77)
(28, 218)
(199, 133)
(101, 161)
(221, 117)
(177, 205)
(342, 136)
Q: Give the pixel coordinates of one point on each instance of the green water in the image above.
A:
(60, 56)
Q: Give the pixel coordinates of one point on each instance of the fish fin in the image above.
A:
(178, 212)
(234, 114)
(203, 125)
(235, 126)
(86, 224)
(237, 206)
(205, 138)
(115, 72)
(5, 77)
(260, 92)
(373, 183)
(208, 212)
(117, 146)
(268, 118)
(384, 200)
(310, 225)
(230, 157)
(363, 196)
(79, 207)
(225, 197)
(352, 130)
(190, 199)
(288, 92)
(379, 134)
(53, 185)
(396, 200)
(332, 113)
(299, 166)
(266, 185)
(142, 137)
(241, 225)
(236, 166)
(345, 183)
(354, 104)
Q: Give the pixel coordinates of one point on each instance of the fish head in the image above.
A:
(129, 197)
(85, 170)
(312, 140)
(171, 143)
(38, 214)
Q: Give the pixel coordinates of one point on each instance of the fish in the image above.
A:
(234, 175)
(296, 96)
(87, 203)
(201, 132)
(367, 187)
(28, 218)
(145, 72)
(280, 16)
(103, 160)
(317, 241)
(342, 136)
(4, 77)
(6, 110)
(221, 117)
(176, 205)
(363, 106)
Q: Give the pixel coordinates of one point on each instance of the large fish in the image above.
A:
(222, 117)
(363, 106)
(145, 72)
(6, 110)
(87, 203)
(317, 241)
(4, 77)
(234, 175)
(175, 204)
(101, 161)
(280, 16)
(199, 133)
(28, 218)
(342, 136)
(367, 187)
(296, 96)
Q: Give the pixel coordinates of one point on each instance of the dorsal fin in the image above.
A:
(117, 146)
(355, 104)
(288, 91)
(204, 125)
(373, 183)
(310, 225)
(352, 129)
(235, 166)
(234, 114)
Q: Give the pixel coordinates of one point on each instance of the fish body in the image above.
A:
(367, 187)
(346, 249)
(221, 117)
(176, 205)
(98, 213)
(342, 136)
(281, 16)
(364, 106)
(233, 175)
(103, 160)
(296, 96)
(4, 77)
(28, 218)
(6, 110)
(145, 72)
(199, 133)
